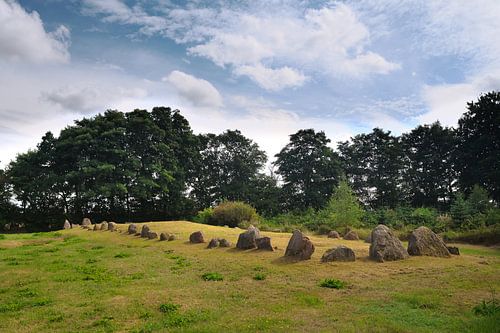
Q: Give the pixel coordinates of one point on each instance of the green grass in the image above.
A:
(80, 281)
(333, 284)
(212, 277)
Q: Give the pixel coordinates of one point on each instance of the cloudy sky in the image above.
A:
(267, 68)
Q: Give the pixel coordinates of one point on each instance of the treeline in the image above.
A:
(150, 166)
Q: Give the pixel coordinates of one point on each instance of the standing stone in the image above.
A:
(197, 237)
(67, 225)
(214, 242)
(96, 227)
(247, 239)
(264, 243)
(152, 235)
(453, 250)
(86, 222)
(144, 231)
(424, 242)
(299, 246)
(132, 229)
(172, 237)
(340, 253)
(224, 243)
(333, 234)
(351, 235)
(164, 236)
(386, 246)
(104, 226)
(112, 226)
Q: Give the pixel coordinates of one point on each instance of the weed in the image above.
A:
(259, 276)
(56, 318)
(169, 307)
(91, 261)
(487, 308)
(122, 255)
(97, 247)
(309, 300)
(333, 283)
(212, 277)
(26, 292)
(93, 273)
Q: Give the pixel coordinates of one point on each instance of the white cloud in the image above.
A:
(23, 36)
(272, 79)
(196, 91)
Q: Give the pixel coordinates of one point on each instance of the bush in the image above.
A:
(333, 283)
(487, 308)
(204, 216)
(169, 307)
(486, 236)
(259, 276)
(212, 277)
(233, 213)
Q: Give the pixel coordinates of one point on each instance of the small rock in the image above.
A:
(386, 246)
(144, 231)
(86, 221)
(453, 250)
(112, 226)
(104, 225)
(164, 236)
(172, 237)
(264, 243)
(340, 253)
(424, 242)
(224, 243)
(333, 234)
(299, 246)
(351, 235)
(197, 237)
(67, 225)
(247, 239)
(132, 229)
(152, 235)
(214, 242)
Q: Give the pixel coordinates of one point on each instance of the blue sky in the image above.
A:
(267, 68)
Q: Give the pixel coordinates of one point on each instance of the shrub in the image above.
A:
(233, 213)
(343, 208)
(204, 216)
(333, 283)
(212, 277)
(487, 308)
(259, 276)
(169, 307)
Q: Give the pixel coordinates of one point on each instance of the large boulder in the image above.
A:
(333, 234)
(299, 246)
(152, 235)
(224, 243)
(144, 231)
(264, 243)
(424, 242)
(197, 237)
(351, 235)
(67, 225)
(112, 226)
(214, 242)
(340, 253)
(385, 245)
(104, 225)
(172, 237)
(164, 236)
(86, 222)
(132, 229)
(247, 239)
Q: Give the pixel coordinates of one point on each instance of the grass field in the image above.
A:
(86, 281)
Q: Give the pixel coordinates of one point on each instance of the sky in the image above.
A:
(267, 68)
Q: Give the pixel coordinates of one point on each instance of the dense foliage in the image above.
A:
(150, 166)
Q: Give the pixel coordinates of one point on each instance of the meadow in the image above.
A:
(99, 281)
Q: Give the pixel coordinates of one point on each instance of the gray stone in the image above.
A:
(172, 237)
(264, 243)
(351, 235)
(340, 253)
(299, 246)
(247, 239)
(453, 250)
(386, 246)
(152, 235)
(224, 243)
(112, 226)
(132, 229)
(197, 237)
(67, 225)
(86, 221)
(164, 236)
(333, 234)
(104, 225)
(424, 242)
(96, 227)
(214, 242)
(144, 231)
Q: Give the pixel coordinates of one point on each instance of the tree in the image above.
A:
(309, 169)
(373, 166)
(460, 212)
(478, 153)
(229, 164)
(478, 200)
(429, 173)
(343, 208)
